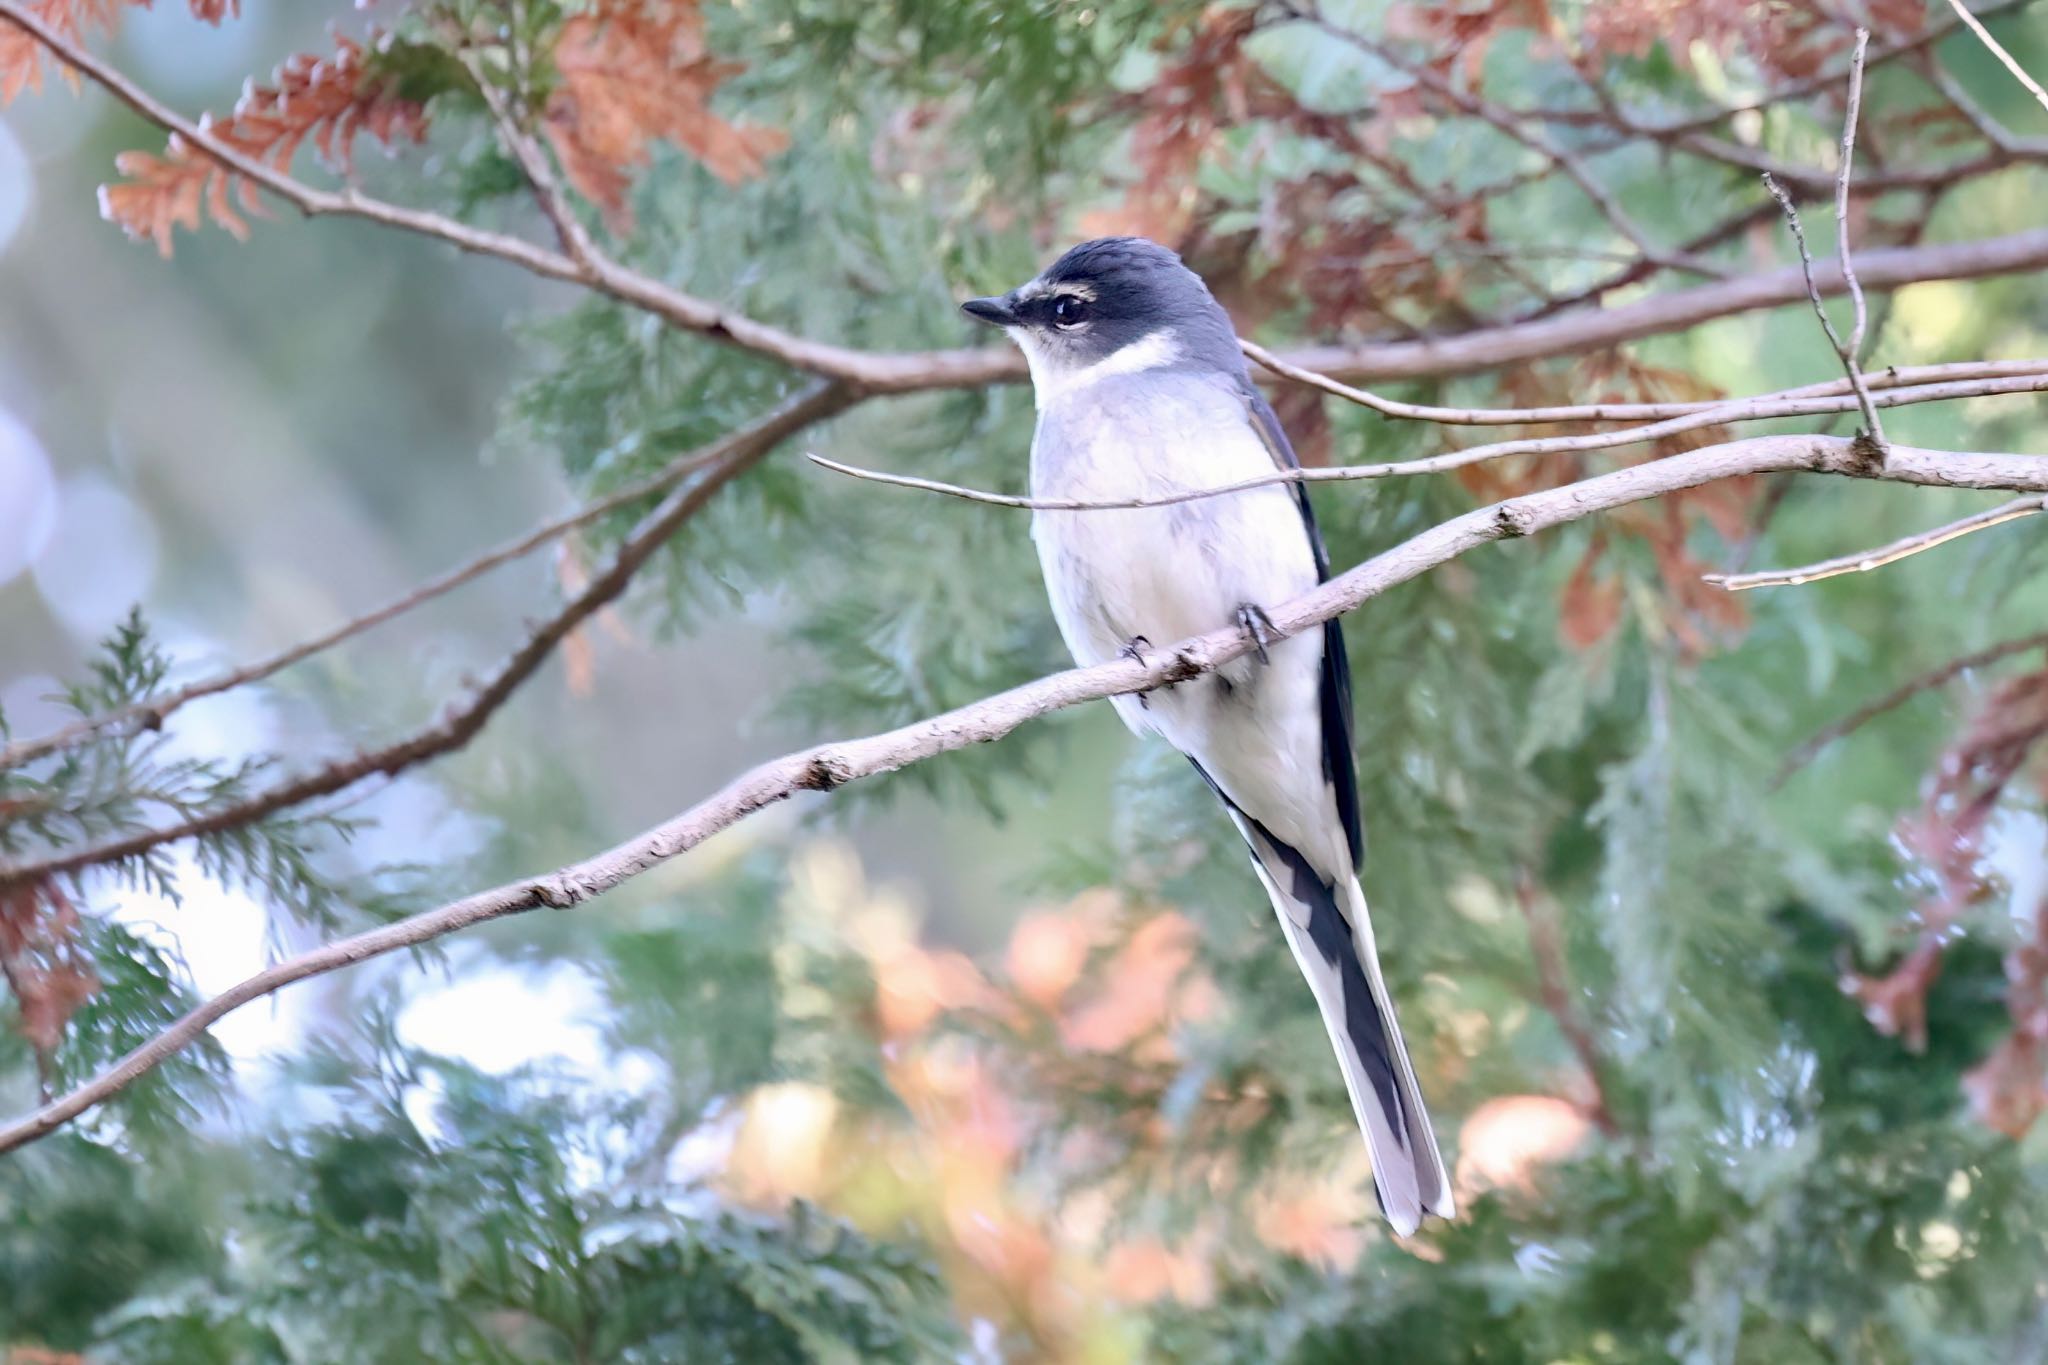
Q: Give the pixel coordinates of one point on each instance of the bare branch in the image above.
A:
(1741, 411)
(1553, 986)
(724, 460)
(1899, 696)
(1842, 351)
(533, 163)
(1976, 26)
(151, 712)
(1894, 377)
(1973, 113)
(829, 766)
(1867, 560)
(1852, 350)
(1638, 270)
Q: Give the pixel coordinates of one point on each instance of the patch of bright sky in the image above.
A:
(223, 936)
(17, 185)
(2015, 850)
(495, 1017)
(100, 560)
(28, 496)
(173, 54)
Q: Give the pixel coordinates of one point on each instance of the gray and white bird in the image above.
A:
(1142, 391)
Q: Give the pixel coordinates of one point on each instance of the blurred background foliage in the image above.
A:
(998, 1058)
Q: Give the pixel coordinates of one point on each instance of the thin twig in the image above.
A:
(1976, 115)
(1746, 411)
(1849, 365)
(1638, 270)
(826, 767)
(727, 458)
(1555, 153)
(2019, 72)
(1899, 696)
(533, 163)
(1896, 376)
(150, 712)
(1867, 560)
(1927, 37)
(1852, 350)
(1553, 986)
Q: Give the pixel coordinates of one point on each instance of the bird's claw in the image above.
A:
(1253, 621)
(1134, 649)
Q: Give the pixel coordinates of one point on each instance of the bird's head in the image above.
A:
(1116, 305)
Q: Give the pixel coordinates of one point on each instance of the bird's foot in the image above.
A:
(1134, 649)
(1253, 621)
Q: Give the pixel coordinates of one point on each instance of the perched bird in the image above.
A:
(1142, 391)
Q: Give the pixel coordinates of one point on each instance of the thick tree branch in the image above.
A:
(829, 766)
(724, 460)
(1866, 560)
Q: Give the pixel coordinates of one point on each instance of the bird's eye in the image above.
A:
(1069, 310)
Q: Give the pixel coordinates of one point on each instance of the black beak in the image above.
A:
(994, 312)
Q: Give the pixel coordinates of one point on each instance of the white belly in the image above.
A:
(1171, 572)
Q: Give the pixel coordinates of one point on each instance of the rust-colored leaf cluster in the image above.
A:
(2008, 1090)
(1200, 90)
(1322, 240)
(1790, 39)
(635, 72)
(1086, 999)
(1461, 34)
(330, 100)
(1948, 835)
(1589, 607)
(42, 961)
(73, 20)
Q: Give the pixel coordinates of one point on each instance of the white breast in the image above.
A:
(1171, 572)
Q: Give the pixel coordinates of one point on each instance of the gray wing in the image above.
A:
(1336, 688)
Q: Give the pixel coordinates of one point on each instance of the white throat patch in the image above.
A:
(1051, 379)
